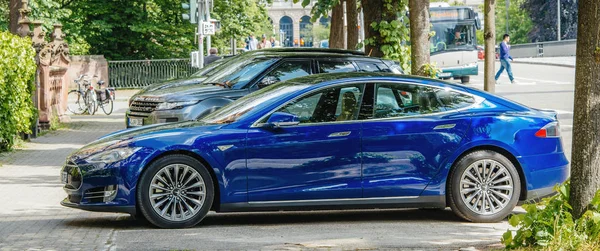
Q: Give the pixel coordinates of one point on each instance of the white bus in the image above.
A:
(454, 45)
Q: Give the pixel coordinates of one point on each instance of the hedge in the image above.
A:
(17, 74)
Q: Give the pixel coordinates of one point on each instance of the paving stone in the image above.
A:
(31, 217)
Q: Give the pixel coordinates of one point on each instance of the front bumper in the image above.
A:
(100, 208)
(162, 116)
(455, 72)
(99, 187)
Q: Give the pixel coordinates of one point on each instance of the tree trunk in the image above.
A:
(489, 31)
(352, 16)
(419, 35)
(14, 14)
(585, 166)
(336, 37)
(373, 13)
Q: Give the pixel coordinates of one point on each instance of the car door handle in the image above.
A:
(446, 126)
(339, 134)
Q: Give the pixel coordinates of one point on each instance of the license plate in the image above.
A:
(64, 177)
(444, 74)
(136, 122)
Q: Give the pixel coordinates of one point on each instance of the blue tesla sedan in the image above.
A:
(337, 141)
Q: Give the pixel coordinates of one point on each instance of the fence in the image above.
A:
(141, 73)
(563, 48)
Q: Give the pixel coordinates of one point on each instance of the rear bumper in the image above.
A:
(543, 173)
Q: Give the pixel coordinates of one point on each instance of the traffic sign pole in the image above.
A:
(200, 34)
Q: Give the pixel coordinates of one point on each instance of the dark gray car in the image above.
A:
(238, 76)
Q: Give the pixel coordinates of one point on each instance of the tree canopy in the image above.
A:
(543, 15)
(140, 29)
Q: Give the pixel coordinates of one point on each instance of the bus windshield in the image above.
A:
(451, 35)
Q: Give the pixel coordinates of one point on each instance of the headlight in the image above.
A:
(174, 105)
(112, 155)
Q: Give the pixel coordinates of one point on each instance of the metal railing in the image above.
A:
(563, 48)
(141, 73)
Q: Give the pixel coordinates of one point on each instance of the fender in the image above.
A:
(437, 186)
(208, 106)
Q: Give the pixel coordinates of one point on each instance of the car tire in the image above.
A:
(176, 191)
(484, 186)
(465, 79)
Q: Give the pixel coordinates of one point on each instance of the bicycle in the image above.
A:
(105, 98)
(83, 99)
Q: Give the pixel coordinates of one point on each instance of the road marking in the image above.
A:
(539, 80)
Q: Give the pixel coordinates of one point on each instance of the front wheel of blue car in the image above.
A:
(175, 191)
(484, 186)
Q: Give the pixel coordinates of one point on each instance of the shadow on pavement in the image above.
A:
(123, 221)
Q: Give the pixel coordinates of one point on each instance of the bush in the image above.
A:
(17, 72)
(549, 225)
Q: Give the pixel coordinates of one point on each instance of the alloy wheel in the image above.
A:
(177, 192)
(486, 187)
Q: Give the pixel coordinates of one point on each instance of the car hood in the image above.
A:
(173, 83)
(129, 137)
(186, 90)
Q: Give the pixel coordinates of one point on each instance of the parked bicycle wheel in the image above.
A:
(90, 102)
(75, 103)
(107, 106)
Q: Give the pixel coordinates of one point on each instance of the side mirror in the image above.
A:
(268, 80)
(477, 22)
(282, 119)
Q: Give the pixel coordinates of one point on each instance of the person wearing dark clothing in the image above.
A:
(212, 57)
(504, 57)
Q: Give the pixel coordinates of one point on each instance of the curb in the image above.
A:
(544, 63)
(536, 63)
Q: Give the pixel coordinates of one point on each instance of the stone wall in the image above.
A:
(90, 65)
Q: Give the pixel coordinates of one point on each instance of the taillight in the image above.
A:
(551, 130)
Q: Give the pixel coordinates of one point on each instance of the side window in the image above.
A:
(289, 70)
(365, 66)
(400, 100)
(336, 66)
(328, 105)
(454, 100)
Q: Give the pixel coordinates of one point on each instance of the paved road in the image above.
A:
(31, 218)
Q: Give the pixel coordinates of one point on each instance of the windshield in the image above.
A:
(235, 110)
(237, 74)
(453, 36)
(210, 69)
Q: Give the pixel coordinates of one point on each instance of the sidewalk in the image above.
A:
(31, 216)
(555, 61)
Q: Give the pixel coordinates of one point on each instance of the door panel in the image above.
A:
(304, 162)
(318, 159)
(404, 149)
(401, 156)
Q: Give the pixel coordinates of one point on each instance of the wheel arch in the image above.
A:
(503, 152)
(217, 197)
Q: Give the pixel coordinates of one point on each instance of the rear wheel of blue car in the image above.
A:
(176, 191)
(484, 187)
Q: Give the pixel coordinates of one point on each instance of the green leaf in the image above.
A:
(507, 238)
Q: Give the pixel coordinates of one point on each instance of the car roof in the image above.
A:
(307, 49)
(365, 76)
(323, 80)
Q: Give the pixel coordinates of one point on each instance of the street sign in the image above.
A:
(208, 28)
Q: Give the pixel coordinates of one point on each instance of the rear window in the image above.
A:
(454, 100)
